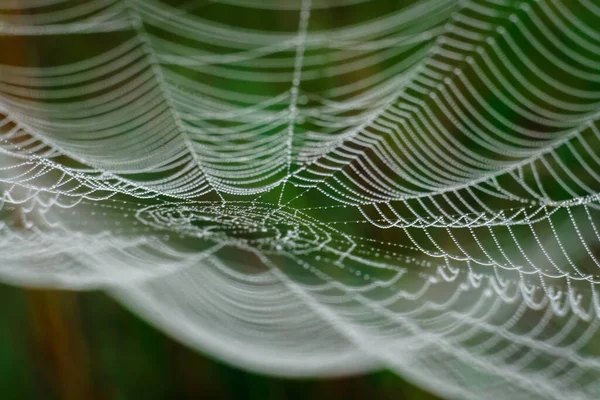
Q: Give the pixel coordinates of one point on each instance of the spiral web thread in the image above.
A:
(315, 188)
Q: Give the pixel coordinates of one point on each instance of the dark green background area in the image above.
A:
(70, 345)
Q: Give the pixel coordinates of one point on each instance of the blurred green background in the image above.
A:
(84, 345)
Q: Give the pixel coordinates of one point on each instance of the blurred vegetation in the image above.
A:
(72, 345)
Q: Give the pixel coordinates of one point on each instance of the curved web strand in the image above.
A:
(444, 132)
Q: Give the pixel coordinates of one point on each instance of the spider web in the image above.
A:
(318, 187)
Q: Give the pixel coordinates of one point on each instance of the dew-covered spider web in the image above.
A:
(312, 188)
